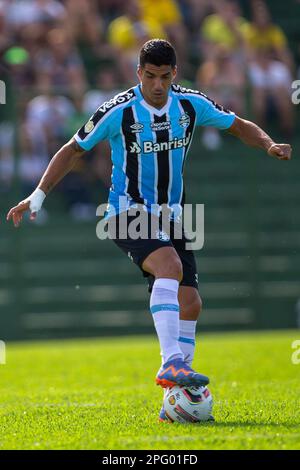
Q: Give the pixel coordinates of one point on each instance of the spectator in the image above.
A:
(193, 13)
(225, 82)
(127, 33)
(50, 111)
(168, 15)
(271, 88)
(86, 26)
(24, 12)
(33, 157)
(39, 41)
(6, 155)
(107, 87)
(224, 28)
(262, 34)
(76, 187)
(74, 121)
(110, 9)
(4, 30)
(19, 65)
(59, 66)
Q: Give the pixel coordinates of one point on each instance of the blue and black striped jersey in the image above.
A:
(149, 146)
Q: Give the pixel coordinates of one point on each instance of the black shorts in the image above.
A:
(138, 249)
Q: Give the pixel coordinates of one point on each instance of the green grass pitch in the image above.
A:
(100, 394)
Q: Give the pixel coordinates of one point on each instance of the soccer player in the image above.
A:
(150, 129)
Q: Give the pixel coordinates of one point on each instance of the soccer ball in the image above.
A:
(188, 404)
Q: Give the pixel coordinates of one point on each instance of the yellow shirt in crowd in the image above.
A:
(125, 34)
(166, 12)
(215, 30)
(272, 37)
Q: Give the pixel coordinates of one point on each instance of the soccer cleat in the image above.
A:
(177, 372)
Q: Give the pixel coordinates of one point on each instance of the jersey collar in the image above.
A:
(152, 109)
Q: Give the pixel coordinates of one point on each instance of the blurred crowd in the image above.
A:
(63, 58)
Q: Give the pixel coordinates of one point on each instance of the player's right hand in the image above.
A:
(16, 213)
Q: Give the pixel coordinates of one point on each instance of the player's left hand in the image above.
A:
(280, 151)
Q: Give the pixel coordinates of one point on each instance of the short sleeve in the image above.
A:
(101, 126)
(211, 114)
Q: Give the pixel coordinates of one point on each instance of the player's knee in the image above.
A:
(198, 305)
(192, 310)
(172, 269)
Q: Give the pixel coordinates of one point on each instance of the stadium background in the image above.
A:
(59, 61)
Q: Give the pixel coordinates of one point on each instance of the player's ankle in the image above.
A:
(172, 358)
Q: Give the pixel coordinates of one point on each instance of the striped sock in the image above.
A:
(187, 333)
(164, 307)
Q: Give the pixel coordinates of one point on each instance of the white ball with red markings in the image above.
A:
(188, 404)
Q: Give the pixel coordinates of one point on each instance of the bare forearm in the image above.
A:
(251, 134)
(62, 162)
(60, 165)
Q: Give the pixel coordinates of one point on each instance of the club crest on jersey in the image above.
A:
(137, 127)
(184, 120)
(89, 127)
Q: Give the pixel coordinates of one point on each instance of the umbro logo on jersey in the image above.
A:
(137, 127)
(184, 120)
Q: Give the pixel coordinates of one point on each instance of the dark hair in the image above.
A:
(157, 52)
